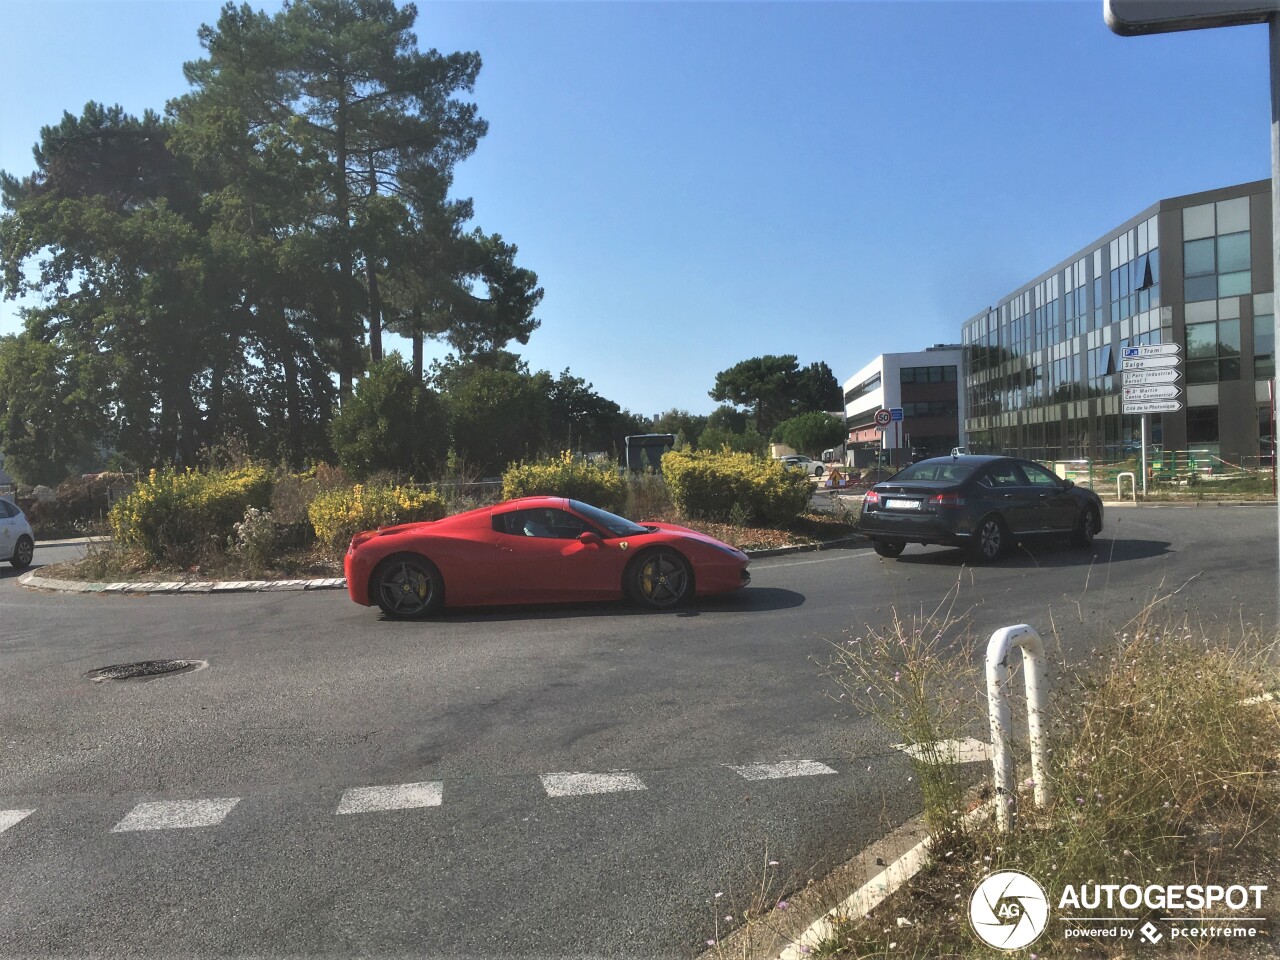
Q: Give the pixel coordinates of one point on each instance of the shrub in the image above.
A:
(78, 504)
(256, 538)
(174, 515)
(564, 476)
(647, 497)
(338, 515)
(718, 484)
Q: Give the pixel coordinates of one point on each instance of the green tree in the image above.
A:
(580, 419)
(774, 388)
(685, 425)
(716, 438)
(817, 389)
(379, 125)
(112, 219)
(49, 425)
(391, 422)
(498, 412)
(728, 418)
(811, 433)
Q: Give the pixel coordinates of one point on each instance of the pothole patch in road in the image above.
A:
(145, 670)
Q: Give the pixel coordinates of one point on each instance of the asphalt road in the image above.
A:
(307, 698)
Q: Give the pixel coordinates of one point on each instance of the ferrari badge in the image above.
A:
(624, 545)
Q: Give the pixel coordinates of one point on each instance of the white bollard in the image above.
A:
(998, 649)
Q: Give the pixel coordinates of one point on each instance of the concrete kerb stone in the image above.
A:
(34, 581)
(857, 540)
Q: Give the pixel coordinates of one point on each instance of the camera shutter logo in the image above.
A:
(1008, 910)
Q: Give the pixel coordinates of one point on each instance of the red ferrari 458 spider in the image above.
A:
(536, 550)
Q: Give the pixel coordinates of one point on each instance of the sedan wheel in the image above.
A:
(991, 539)
(1087, 528)
(889, 548)
(661, 579)
(23, 551)
(407, 587)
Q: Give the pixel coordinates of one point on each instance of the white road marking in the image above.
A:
(582, 784)
(176, 814)
(10, 817)
(801, 563)
(967, 750)
(403, 796)
(779, 771)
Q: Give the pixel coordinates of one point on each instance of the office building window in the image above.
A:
(1213, 341)
(1202, 425)
(1264, 337)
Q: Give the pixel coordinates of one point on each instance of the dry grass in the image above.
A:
(1161, 774)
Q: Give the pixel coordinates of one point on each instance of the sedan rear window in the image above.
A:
(936, 470)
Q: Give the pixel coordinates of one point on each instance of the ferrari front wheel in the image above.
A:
(660, 579)
(407, 587)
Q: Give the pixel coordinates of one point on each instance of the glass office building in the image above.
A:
(1043, 367)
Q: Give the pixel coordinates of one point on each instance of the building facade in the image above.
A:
(929, 387)
(1043, 367)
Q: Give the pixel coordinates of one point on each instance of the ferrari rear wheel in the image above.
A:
(661, 579)
(407, 587)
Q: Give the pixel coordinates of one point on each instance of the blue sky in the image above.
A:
(699, 183)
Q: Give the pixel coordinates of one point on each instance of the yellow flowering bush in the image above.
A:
(338, 515)
(715, 485)
(173, 515)
(566, 476)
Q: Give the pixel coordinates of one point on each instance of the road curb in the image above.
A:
(854, 540)
(1190, 503)
(34, 582)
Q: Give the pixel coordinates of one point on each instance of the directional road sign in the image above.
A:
(895, 413)
(1163, 392)
(1150, 363)
(1152, 350)
(1151, 406)
(1138, 378)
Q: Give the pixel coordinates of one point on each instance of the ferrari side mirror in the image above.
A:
(588, 537)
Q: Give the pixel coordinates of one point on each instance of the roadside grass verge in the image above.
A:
(1163, 770)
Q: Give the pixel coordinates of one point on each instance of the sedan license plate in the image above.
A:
(902, 504)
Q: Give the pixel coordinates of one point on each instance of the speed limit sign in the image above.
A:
(883, 418)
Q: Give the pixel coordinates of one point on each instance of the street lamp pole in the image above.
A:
(1273, 30)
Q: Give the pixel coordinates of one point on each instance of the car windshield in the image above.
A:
(944, 470)
(616, 525)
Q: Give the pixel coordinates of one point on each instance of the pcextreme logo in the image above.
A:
(1008, 910)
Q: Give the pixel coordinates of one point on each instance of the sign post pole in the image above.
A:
(1273, 30)
(1144, 456)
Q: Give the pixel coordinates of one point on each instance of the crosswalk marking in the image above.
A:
(401, 796)
(10, 817)
(582, 784)
(176, 814)
(779, 771)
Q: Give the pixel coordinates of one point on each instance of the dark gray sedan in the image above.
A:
(985, 504)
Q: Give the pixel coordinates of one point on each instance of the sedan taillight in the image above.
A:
(947, 500)
(871, 498)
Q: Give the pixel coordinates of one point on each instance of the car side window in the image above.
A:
(545, 523)
(1002, 475)
(7, 510)
(1038, 476)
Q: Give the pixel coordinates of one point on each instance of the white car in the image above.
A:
(809, 466)
(17, 542)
